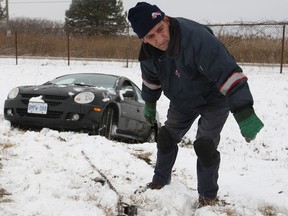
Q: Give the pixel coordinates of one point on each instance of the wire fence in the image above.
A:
(261, 43)
(264, 44)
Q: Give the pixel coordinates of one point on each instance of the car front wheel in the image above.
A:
(108, 124)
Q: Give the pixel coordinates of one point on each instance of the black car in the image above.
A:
(96, 103)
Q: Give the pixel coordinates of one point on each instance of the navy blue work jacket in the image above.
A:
(193, 69)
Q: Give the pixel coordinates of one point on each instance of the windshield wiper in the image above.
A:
(82, 84)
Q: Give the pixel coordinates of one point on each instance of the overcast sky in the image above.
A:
(205, 11)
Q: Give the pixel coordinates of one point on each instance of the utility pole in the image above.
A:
(7, 20)
(7, 12)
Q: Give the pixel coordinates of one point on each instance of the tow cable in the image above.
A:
(123, 208)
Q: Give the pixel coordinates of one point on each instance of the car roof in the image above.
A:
(103, 74)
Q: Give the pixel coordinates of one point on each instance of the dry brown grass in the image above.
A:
(268, 211)
(255, 49)
(54, 43)
(43, 43)
(120, 47)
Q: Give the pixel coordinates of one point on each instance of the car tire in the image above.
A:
(108, 123)
(152, 137)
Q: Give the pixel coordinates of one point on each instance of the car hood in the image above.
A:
(65, 90)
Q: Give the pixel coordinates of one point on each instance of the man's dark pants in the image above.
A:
(179, 120)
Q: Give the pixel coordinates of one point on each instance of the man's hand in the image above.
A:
(249, 123)
(150, 112)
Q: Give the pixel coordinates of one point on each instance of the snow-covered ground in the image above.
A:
(46, 174)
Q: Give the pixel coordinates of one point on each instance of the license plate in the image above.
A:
(37, 108)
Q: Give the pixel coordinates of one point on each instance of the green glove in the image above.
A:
(249, 123)
(150, 112)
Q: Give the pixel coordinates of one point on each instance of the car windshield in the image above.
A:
(97, 80)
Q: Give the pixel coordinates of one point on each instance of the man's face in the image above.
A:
(159, 36)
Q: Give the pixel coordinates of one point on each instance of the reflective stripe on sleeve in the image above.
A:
(151, 86)
(231, 81)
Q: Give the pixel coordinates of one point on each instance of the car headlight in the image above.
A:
(13, 93)
(84, 97)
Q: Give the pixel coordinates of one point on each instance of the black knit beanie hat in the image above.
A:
(143, 17)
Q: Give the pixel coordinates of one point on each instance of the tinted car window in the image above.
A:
(97, 80)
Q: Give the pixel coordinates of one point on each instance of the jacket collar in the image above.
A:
(149, 52)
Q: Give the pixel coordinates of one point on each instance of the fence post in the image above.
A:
(282, 51)
(16, 46)
(68, 47)
(127, 47)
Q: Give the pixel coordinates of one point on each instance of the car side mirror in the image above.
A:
(125, 93)
(128, 93)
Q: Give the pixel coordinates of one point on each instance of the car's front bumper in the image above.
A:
(76, 117)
